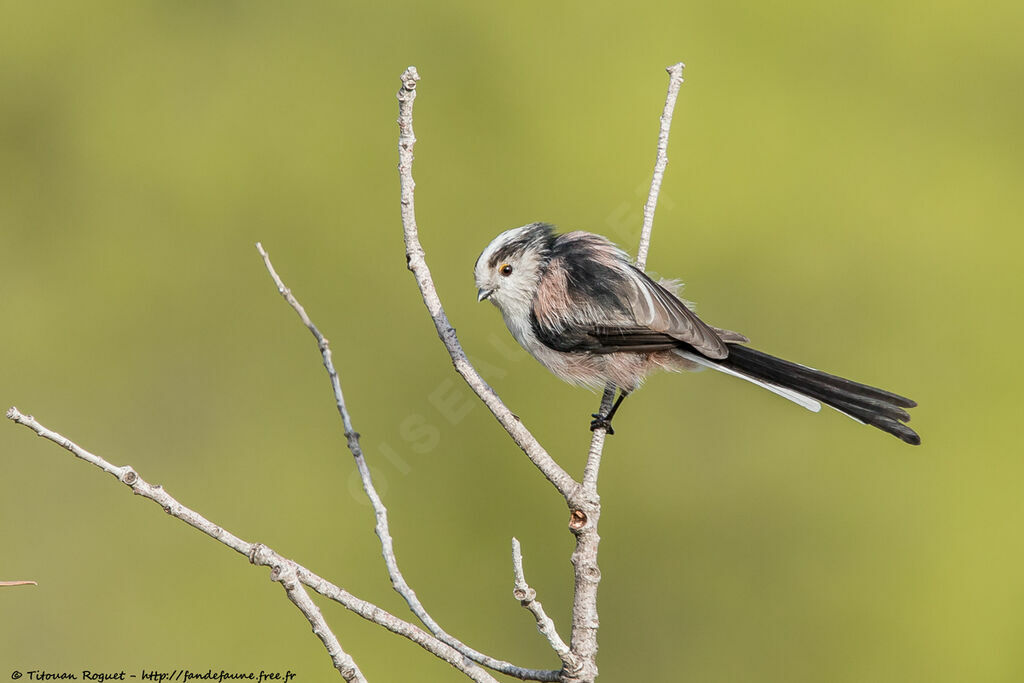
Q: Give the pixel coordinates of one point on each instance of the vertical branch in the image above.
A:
(583, 499)
(675, 81)
(586, 508)
(586, 512)
(593, 466)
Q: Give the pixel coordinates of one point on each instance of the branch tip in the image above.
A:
(527, 597)
(417, 264)
(473, 657)
(661, 161)
(409, 77)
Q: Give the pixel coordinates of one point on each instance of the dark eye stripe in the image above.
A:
(536, 235)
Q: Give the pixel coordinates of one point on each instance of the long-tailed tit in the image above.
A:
(578, 305)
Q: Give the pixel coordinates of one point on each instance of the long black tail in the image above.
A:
(870, 405)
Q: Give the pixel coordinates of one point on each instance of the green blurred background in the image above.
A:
(844, 187)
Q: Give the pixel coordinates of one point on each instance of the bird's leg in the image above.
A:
(605, 421)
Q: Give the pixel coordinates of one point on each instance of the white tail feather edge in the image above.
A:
(793, 396)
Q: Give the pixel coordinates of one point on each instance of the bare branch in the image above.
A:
(675, 82)
(285, 574)
(578, 658)
(262, 555)
(417, 263)
(582, 498)
(527, 597)
(380, 511)
(587, 575)
(587, 510)
(325, 351)
(593, 466)
(583, 523)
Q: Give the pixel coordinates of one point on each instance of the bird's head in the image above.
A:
(510, 267)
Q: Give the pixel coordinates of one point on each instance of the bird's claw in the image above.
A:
(600, 421)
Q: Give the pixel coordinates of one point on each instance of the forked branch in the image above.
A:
(580, 663)
(283, 569)
(579, 656)
(382, 529)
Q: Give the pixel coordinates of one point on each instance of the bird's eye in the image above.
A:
(505, 269)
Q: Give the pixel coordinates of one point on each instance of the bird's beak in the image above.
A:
(482, 293)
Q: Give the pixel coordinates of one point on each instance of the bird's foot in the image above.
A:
(602, 421)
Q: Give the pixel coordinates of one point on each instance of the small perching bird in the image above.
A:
(578, 305)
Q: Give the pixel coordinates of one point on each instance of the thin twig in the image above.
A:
(417, 263)
(527, 597)
(380, 511)
(286, 574)
(675, 82)
(262, 555)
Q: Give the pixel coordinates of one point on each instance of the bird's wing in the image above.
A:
(612, 306)
(658, 310)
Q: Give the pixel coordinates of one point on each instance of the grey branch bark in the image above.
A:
(416, 260)
(582, 497)
(675, 82)
(579, 658)
(380, 512)
(587, 513)
(286, 573)
(262, 555)
(527, 597)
